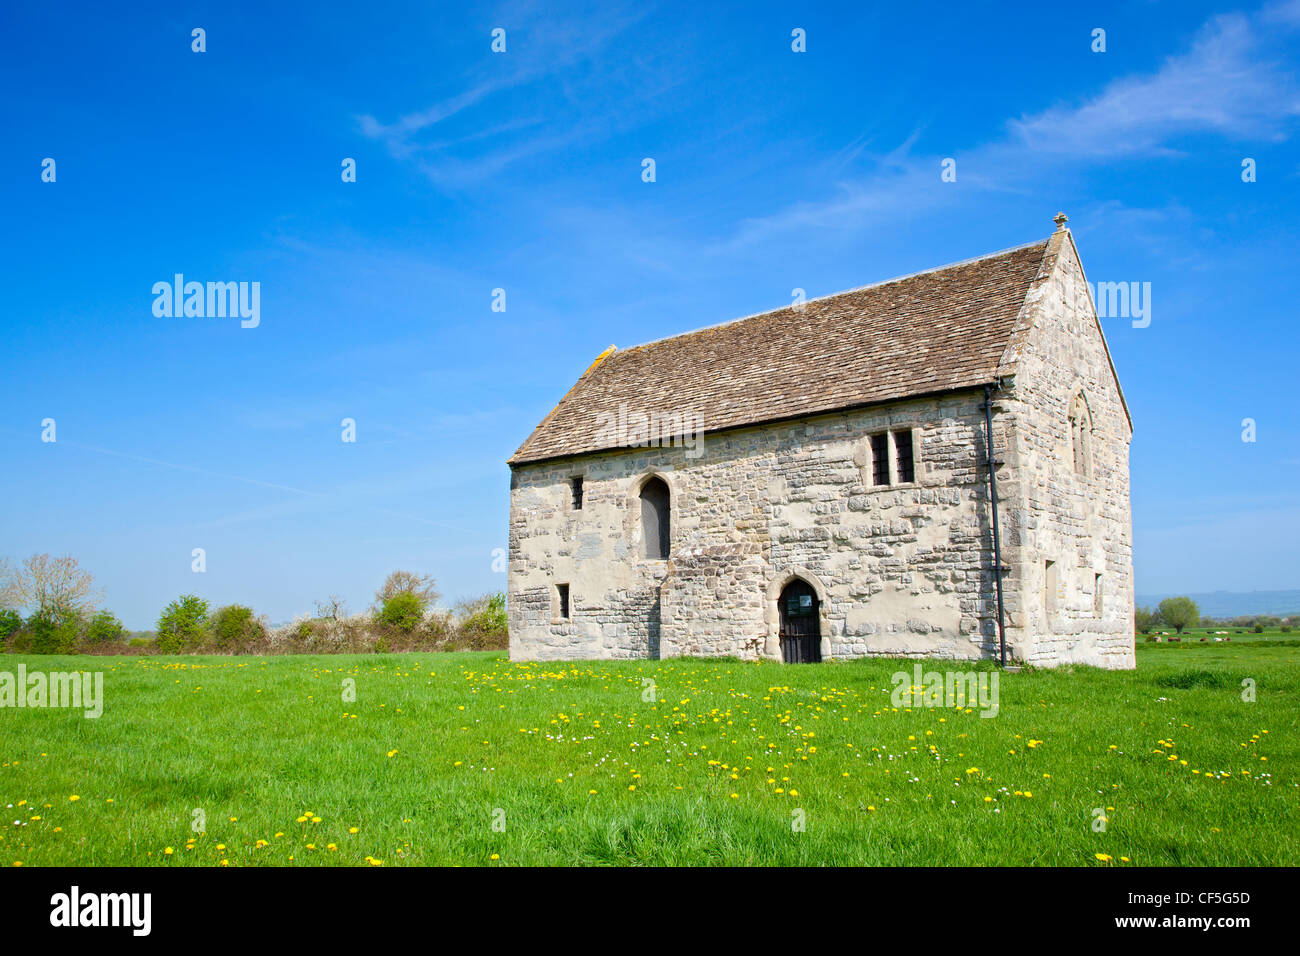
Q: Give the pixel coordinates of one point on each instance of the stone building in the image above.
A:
(813, 482)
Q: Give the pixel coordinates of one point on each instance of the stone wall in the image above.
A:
(901, 570)
(1079, 521)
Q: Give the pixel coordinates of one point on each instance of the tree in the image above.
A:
(1145, 619)
(46, 635)
(182, 624)
(10, 621)
(55, 589)
(482, 623)
(403, 611)
(104, 628)
(1179, 612)
(10, 595)
(235, 626)
(408, 582)
(333, 608)
(486, 613)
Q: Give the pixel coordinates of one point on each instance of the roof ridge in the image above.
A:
(832, 295)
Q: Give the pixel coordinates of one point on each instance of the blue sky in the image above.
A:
(476, 170)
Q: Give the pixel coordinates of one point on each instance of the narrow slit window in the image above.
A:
(1049, 586)
(563, 591)
(575, 485)
(880, 459)
(1097, 595)
(1081, 435)
(903, 449)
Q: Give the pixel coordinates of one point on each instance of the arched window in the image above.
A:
(656, 519)
(1081, 435)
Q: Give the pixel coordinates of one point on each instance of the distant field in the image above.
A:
(1225, 635)
(469, 759)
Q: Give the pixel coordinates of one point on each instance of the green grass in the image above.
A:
(435, 744)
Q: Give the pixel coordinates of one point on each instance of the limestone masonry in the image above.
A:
(812, 483)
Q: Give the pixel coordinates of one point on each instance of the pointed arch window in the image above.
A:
(656, 519)
(1081, 435)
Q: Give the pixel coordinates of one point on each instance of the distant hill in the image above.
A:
(1235, 603)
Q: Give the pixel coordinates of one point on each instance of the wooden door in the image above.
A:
(800, 624)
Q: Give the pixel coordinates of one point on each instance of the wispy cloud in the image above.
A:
(1221, 85)
(540, 48)
(1225, 84)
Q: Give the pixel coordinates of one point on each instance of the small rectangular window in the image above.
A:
(903, 449)
(1096, 595)
(880, 459)
(575, 485)
(1049, 586)
(563, 590)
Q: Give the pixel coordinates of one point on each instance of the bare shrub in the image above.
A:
(55, 589)
(408, 582)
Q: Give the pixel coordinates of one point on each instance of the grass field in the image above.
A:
(469, 759)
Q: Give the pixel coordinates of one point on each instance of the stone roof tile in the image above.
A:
(931, 332)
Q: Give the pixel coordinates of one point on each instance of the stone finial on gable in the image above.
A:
(1060, 219)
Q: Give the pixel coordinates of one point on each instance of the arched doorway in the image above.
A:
(800, 623)
(656, 520)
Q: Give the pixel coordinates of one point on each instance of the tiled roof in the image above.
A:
(930, 332)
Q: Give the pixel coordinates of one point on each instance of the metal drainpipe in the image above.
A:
(993, 497)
